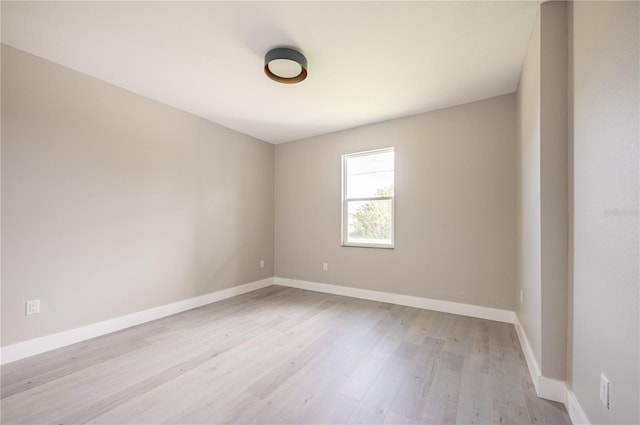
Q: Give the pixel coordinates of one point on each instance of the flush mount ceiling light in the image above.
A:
(285, 65)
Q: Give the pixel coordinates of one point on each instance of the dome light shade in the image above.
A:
(285, 65)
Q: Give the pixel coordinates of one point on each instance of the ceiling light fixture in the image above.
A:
(285, 65)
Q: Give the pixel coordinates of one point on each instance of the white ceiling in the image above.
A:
(368, 61)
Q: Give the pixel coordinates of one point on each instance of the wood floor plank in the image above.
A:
(410, 400)
(288, 368)
(394, 418)
(377, 402)
(508, 402)
(441, 405)
(315, 399)
(458, 335)
(394, 328)
(477, 354)
(202, 386)
(475, 405)
(93, 385)
(59, 363)
(284, 355)
(419, 330)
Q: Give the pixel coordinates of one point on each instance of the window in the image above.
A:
(367, 198)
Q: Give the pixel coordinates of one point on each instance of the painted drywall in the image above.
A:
(113, 203)
(529, 261)
(542, 188)
(553, 187)
(454, 208)
(606, 131)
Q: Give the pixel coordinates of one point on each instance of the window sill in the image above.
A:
(355, 245)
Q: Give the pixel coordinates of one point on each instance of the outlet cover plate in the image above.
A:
(605, 391)
(31, 307)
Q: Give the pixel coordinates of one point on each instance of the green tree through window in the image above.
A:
(373, 219)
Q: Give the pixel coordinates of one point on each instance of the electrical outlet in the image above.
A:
(262, 264)
(31, 307)
(325, 267)
(521, 296)
(605, 391)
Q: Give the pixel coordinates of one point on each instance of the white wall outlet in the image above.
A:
(605, 391)
(262, 264)
(325, 267)
(521, 296)
(31, 307)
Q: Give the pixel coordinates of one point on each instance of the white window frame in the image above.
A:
(345, 202)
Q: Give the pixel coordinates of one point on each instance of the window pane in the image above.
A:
(370, 184)
(369, 221)
(370, 162)
(370, 175)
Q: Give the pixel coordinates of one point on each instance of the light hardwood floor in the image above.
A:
(281, 355)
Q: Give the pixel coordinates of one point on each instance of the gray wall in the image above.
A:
(553, 187)
(542, 191)
(454, 212)
(113, 203)
(605, 120)
(529, 262)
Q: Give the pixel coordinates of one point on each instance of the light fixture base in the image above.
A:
(281, 73)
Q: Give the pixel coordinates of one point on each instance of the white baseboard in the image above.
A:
(39, 345)
(532, 363)
(551, 389)
(407, 300)
(574, 408)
